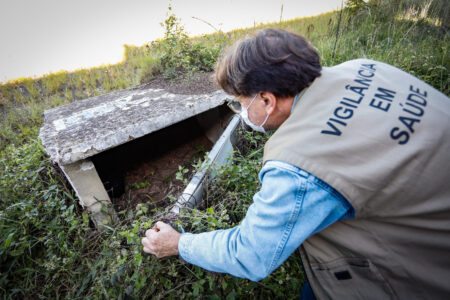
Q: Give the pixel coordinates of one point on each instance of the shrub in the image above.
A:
(48, 248)
(178, 54)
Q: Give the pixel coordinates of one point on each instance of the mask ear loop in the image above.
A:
(251, 102)
(267, 116)
(265, 120)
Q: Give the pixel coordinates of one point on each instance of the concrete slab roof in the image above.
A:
(84, 128)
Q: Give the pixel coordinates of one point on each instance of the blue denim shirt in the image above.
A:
(290, 206)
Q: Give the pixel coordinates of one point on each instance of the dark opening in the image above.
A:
(144, 170)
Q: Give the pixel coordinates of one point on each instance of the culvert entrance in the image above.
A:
(126, 146)
(144, 170)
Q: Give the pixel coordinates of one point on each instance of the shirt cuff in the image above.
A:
(184, 246)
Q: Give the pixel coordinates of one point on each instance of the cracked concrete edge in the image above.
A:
(128, 133)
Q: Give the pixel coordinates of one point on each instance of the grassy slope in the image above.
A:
(46, 245)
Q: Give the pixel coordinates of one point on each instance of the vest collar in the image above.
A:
(297, 97)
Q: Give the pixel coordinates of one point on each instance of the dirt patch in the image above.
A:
(188, 84)
(154, 181)
(144, 170)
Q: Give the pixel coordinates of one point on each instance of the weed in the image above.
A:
(181, 174)
(178, 54)
(140, 185)
(48, 248)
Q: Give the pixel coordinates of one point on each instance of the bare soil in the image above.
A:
(188, 84)
(154, 181)
(144, 170)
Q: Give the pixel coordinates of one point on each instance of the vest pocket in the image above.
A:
(351, 278)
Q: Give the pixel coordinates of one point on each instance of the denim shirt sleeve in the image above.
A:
(290, 206)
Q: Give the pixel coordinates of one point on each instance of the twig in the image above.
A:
(207, 23)
(281, 13)
(337, 29)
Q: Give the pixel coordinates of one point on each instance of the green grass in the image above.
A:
(47, 247)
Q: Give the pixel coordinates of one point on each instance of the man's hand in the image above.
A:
(161, 240)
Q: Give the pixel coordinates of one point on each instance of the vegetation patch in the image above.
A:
(48, 248)
(159, 180)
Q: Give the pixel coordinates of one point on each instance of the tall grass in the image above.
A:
(47, 247)
(412, 37)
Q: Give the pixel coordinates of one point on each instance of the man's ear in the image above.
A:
(270, 101)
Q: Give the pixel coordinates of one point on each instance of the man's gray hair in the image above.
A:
(273, 60)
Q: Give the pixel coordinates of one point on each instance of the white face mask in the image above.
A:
(245, 118)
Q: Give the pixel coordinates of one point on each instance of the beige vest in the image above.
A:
(380, 137)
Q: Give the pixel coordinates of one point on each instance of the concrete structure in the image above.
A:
(217, 157)
(73, 133)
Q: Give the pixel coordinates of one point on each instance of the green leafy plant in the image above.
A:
(181, 174)
(354, 6)
(48, 248)
(178, 54)
(140, 185)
